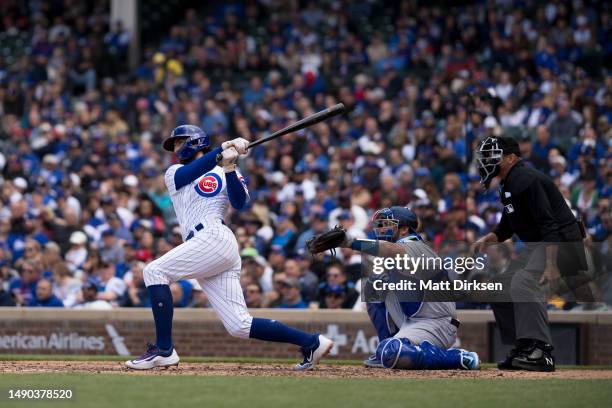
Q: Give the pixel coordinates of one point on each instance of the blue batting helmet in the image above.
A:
(197, 140)
(388, 220)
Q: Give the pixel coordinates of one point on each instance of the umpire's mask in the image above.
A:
(489, 156)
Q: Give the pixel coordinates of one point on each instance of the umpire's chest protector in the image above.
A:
(513, 194)
(532, 204)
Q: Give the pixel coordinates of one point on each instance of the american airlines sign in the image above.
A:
(72, 341)
(52, 341)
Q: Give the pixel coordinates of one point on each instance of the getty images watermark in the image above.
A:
(503, 272)
(411, 265)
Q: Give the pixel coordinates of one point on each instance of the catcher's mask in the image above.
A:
(489, 156)
(387, 221)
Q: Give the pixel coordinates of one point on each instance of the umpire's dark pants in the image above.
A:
(526, 316)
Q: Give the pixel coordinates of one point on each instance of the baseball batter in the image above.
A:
(413, 333)
(201, 189)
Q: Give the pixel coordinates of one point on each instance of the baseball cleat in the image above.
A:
(538, 357)
(506, 364)
(312, 356)
(152, 358)
(469, 360)
(373, 362)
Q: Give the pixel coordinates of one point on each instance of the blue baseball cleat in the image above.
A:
(469, 360)
(312, 356)
(152, 358)
(373, 362)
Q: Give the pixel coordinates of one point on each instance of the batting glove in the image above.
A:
(228, 159)
(239, 144)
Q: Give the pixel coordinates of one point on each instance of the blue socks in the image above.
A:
(271, 330)
(262, 329)
(163, 310)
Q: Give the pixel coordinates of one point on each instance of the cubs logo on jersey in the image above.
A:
(209, 185)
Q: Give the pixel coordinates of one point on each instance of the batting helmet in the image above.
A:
(197, 140)
(387, 221)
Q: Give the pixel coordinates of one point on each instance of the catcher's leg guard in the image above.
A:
(401, 354)
(435, 358)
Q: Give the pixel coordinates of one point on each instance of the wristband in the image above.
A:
(368, 246)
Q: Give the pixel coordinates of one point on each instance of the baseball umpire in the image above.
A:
(535, 211)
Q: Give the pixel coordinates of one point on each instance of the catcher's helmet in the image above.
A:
(489, 156)
(197, 140)
(387, 221)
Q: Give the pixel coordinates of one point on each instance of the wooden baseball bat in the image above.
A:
(300, 124)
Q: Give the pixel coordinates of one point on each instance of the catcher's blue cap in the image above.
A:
(404, 216)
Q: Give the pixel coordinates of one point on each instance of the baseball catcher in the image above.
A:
(414, 334)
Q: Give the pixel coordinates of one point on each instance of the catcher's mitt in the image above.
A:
(328, 240)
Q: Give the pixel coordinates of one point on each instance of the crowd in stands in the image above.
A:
(83, 205)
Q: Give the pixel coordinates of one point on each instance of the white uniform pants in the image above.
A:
(212, 258)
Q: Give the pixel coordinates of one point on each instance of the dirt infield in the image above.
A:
(282, 370)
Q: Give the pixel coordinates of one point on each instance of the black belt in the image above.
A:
(199, 227)
(455, 322)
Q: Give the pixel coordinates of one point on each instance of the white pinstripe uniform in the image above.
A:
(211, 254)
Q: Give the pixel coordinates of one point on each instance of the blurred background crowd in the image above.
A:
(83, 205)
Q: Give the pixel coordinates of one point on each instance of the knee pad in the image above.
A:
(398, 353)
